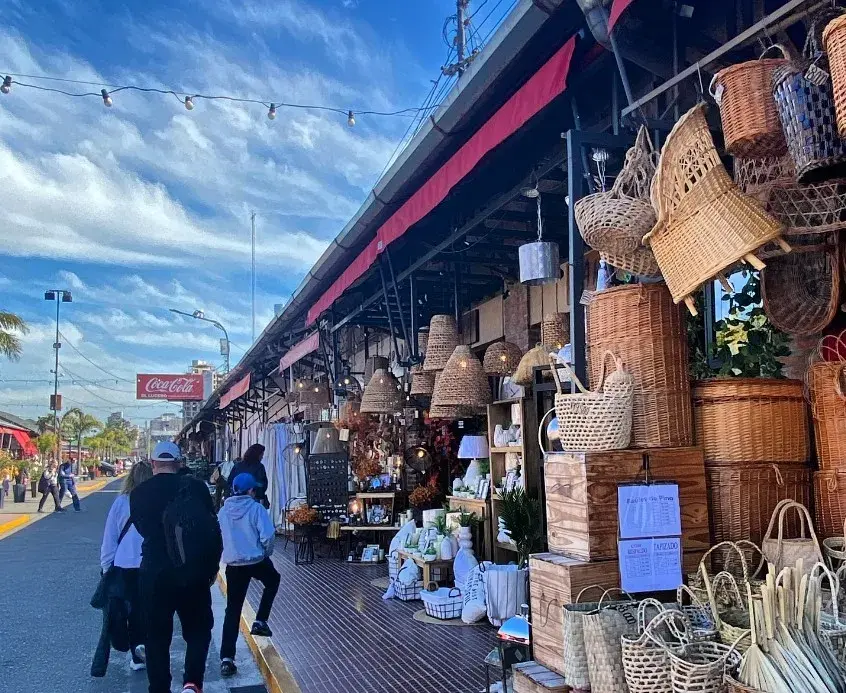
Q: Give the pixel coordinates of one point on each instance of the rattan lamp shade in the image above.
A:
(452, 411)
(422, 384)
(382, 395)
(443, 338)
(555, 330)
(312, 392)
(463, 381)
(502, 358)
(373, 364)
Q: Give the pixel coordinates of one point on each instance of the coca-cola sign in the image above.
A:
(173, 387)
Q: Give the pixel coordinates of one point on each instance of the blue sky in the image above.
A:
(145, 206)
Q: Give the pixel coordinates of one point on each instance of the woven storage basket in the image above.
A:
(742, 419)
(801, 290)
(830, 502)
(750, 120)
(555, 330)
(827, 384)
(834, 41)
(641, 262)
(700, 667)
(641, 324)
(603, 630)
(600, 420)
(382, 395)
(646, 664)
(615, 221)
(743, 496)
(443, 338)
(462, 382)
(502, 358)
(705, 224)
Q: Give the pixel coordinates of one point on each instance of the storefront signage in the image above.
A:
(649, 510)
(177, 388)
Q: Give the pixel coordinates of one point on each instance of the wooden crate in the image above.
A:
(531, 677)
(556, 580)
(581, 497)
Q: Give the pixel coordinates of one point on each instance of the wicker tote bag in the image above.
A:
(603, 630)
(832, 625)
(646, 665)
(782, 552)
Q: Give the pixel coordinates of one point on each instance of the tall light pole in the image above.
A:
(60, 296)
(253, 276)
(199, 315)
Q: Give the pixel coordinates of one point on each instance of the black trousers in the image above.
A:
(51, 491)
(163, 597)
(137, 621)
(237, 582)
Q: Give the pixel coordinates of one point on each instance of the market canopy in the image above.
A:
(23, 439)
(296, 352)
(234, 392)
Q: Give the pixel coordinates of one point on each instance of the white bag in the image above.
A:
(409, 573)
(463, 564)
(398, 541)
(474, 595)
(505, 591)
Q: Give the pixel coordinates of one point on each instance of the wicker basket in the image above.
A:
(743, 496)
(801, 291)
(641, 262)
(641, 324)
(700, 667)
(462, 382)
(442, 603)
(555, 330)
(827, 385)
(834, 40)
(646, 664)
(443, 338)
(705, 224)
(616, 221)
(600, 420)
(698, 614)
(750, 120)
(742, 419)
(830, 502)
(501, 358)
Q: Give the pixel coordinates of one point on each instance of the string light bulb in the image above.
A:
(350, 119)
(6, 87)
(271, 112)
(297, 450)
(189, 103)
(107, 100)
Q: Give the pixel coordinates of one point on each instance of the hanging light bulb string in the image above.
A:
(187, 99)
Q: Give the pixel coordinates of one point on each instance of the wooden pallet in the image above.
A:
(531, 677)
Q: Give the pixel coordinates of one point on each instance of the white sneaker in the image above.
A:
(136, 666)
(141, 653)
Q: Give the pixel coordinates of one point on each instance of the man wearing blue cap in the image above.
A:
(248, 537)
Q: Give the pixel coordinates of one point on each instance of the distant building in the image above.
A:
(116, 419)
(164, 427)
(211, 380)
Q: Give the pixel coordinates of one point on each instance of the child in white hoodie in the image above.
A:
(248, 537)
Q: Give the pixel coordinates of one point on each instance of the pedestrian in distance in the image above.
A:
(248, 537)
(120, 557)
(220, 480)
(47, 486)
(251, 464)
(67, 483)
(180, 557)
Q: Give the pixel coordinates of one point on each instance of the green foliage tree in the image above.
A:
(45, 424)
(76, 424)
(11, 328)
(522, 517)
(46, 444)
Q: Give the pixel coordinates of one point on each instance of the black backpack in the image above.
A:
(192, 535)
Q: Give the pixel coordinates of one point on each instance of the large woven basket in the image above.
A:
(641, 324)
(743, 496)
(750, 120)
(640, 262)
(646, 664)
(827, 386)
(443, 338)
(705, 224)
(830, 502)
(834, 41)
(801, 290)
(742, 419)
(615, 221)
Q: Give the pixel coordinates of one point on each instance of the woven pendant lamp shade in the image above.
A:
(463, 381)
(452, 411)
(373, 364)
(443, 338)
(502, 358)
(382, 395)
(555, 330)
(422, 384)
(312, 392)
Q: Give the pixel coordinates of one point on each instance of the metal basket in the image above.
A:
(408, 593)
(443, 603)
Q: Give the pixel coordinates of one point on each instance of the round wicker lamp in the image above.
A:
(555, 330)
(463, 381)
(443, 338)
(502, 358)
(422, 384)
(382, 395)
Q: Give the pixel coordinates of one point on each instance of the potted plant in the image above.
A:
(521, 514)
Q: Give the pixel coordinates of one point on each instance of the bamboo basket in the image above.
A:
(834, 40)
(830, 502)
(646, 329)
(750, 120)
(640, 262)
(646, 664)
(700, 666)
(705, 224)
(741, 419)
(827, 386)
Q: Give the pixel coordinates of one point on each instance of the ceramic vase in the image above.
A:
(465, 538)
(447, 552)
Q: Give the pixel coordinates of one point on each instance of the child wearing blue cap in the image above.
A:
(248, 537)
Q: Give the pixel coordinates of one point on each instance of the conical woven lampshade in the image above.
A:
(463, 381)
(382, 395)
(443, 338)
(451, 411)
(422, 342)
(555, 330)
(422, 383)
(373, 364)
(502, 358)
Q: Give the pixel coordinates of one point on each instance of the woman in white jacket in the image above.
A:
(248, 538)
(121, 550)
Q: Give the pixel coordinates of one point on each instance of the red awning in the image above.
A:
(23, 439)
(296, 352)
(617, 8)
(547, 83)
(234, 392)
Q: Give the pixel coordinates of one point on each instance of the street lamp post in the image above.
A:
(60, 296)
(199, 315)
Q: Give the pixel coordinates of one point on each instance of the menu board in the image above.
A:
(650, 565)
(648, 510)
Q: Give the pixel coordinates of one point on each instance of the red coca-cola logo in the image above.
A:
(173, 387)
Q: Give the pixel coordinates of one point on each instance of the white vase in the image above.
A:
(429, 516)
(465, 538)
(500, 436)
(447, 552)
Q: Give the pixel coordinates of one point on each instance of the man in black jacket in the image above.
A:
(251, 464)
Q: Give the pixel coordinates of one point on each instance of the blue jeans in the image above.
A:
(70, 487)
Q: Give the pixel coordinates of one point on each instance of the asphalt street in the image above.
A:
(48, 630)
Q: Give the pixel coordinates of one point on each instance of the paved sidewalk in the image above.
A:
(48, 631)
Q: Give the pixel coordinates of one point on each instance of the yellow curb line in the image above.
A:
(14, 524)
(276, 675)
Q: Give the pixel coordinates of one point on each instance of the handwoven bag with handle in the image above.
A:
(731, 616)
(782, 552)
(646, 665)
(835, 549)
(603, 630)
(699, 615)
(832, 626)
(699, 667)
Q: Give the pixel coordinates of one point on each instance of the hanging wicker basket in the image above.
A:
(827, 386)
(834, 41)
(443, 338)
(462, 382)
(615, 221)
(830, 501)
(641, 262)
(555, 330)
(422, 384)
(750, 120)
(801, 291)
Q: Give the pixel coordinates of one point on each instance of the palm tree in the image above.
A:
(76, 424)
(45, 424)
(11, 327)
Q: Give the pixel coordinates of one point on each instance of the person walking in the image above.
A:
(251, 464)
(120, 552)
(67, 483)
(220, 478)
(180, 556)
(47, 487)
(248, 537)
